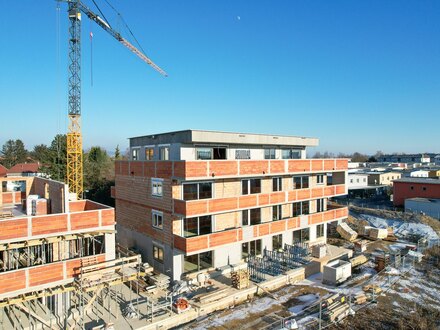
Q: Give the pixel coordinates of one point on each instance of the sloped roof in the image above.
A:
(25, 168)
(3, 170)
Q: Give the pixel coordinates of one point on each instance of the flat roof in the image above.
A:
(419, 180)
(192, 136)
(424, 200)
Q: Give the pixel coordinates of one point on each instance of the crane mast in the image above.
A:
(74, 136)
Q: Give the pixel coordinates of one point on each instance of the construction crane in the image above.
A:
(74, 136)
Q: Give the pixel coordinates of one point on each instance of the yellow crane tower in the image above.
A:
(74, 136)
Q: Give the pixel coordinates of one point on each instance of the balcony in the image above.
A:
(210, 241)
(205, 169)
(219, 205)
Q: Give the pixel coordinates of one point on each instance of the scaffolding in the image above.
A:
(97, 291)
(275, 263)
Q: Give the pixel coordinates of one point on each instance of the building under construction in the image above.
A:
(58, 258)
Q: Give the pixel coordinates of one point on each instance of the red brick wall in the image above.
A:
(49, 224)
(12, 281)
(402, 191)
(13, 228)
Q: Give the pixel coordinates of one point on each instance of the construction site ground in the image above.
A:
(409, 293)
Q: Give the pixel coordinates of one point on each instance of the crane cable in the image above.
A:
(126, 25)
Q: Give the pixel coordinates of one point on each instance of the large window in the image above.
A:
(157, 218)
(300, 208)
(251, 248)
(277, 184)
(197, 262)
(301, 235)
(251, 217)
(149, 153)
(250, 186)
(277, 213)
(320, 230)
(291, 154)
(164, 153)
(158, 253)
(300, 182)
(320, 179)
(277, 242)
(269, 153)
(205, 153)
(201, 190)
(197, 226)
(320, 205)
(156, 187)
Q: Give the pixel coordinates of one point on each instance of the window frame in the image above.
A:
(302, 209)
(161, 149)
(248, 220)
(277, 184)
(157, 248)
(291, 152)
(147, 155)
(320, 179)
(320, 232)
(249, 186)
(185, 220)
(269, 156)
(198, 190)
(279, 212)
(302, 185)
(156, 181)
(278, 238)
(135, 150)
(155, 214)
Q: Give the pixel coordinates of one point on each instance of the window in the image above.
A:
(197, 226)
(156, 187)
(277, 212)
(291, 154)
(251, 248)
(242, 154)
(320, 230)
(134, 154)
(197, 262)
(277, 242)
(277, 184)
(424, 188)
(357, 180)
(351, 180)
(201, 190)
(300, 208)
(412, 187)
(365, 180)
(158, 253)
(204, 153)
(320, 205)
(269, 153)
(250, 186)
(300, 182)
(320, 179)
(164, 153)
(251, 217)
(301, 235)
(149, 153)
(157, 219)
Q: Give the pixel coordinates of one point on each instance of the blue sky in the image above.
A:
(359, 75)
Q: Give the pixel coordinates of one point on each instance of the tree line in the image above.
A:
(356, 157)
(98, 165)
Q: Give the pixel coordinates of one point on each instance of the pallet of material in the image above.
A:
(361, 245)
(360, 299)
(378, 233)
(346, 232)
(372, 288)
(358, 260)
(240, 279)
